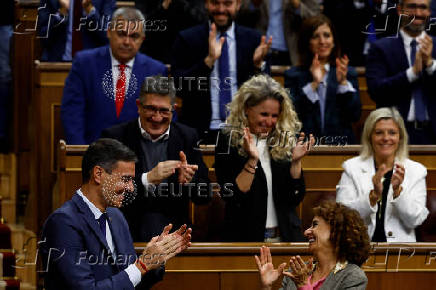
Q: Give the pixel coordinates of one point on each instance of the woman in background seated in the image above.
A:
(258, 157)
(382, 184)
(339, 243)
(323, 88)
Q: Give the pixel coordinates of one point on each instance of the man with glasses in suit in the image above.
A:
(169, 164)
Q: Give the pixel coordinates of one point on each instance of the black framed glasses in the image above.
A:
(153, 110)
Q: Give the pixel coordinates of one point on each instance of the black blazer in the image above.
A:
(189, 51)
(246, 213)
(174, 208)
(341, 109)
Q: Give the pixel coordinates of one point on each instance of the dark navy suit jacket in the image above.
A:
(75, 253)
(88, 105)
(340, 111)
(189, 51)
(53, 27)
(387, 81)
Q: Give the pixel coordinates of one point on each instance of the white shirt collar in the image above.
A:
(115, 62)
(230, 31)
(407, 38)
(147, 136)
(97, 213)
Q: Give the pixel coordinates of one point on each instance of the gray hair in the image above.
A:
(160, 85)
(128, 14)
(383, 114)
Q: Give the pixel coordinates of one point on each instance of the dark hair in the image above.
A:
(348, 232)
(308, 28)
(159, 85)
(106, 153)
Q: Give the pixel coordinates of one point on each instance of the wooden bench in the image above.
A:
(46, 131)
(322, 171)
(232, 266)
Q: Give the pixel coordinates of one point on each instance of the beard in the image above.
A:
(224, 27)
(408, 25)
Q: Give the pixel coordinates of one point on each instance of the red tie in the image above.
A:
(121, 89)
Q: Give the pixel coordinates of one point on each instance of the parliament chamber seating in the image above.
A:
(51, 173)
(231, 265)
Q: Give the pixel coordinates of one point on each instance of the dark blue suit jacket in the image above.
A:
(52, 27)
(88, 105)
(190, 49)
(340, 111)
(387, 81)
(75, 253)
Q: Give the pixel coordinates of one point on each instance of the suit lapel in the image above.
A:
(117, 237)
(89, 217)
(134, 139)
(107, 79)
(174, 145)
(399, 53)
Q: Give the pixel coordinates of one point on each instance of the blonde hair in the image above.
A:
(254, 91)
(375, 116)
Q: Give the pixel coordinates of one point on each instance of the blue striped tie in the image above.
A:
(225, 93)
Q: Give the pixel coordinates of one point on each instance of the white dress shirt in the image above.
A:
(265, 161)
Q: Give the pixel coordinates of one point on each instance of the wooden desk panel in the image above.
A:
(232, 266)
(322, 171)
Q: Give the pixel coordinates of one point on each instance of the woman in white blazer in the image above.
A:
(382, 184)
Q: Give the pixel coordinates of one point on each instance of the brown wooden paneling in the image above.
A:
(232, 266)
(189, 281)
(322, 171)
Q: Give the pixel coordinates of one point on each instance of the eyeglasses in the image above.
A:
(152, 110)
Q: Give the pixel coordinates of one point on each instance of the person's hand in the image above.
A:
(186, 171)
(163, 247)
(300, 270)
(417, 66)
(268, 275)
(426, 48)
(166, 4)
(378, 184)
(261, 51)
(302, 147)
(397, 179)
(316, 70)
(163, 170)
(182, 237)
(215, 47)
(87, 5)
(342, 69)
(64, 6)
(249, 146)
